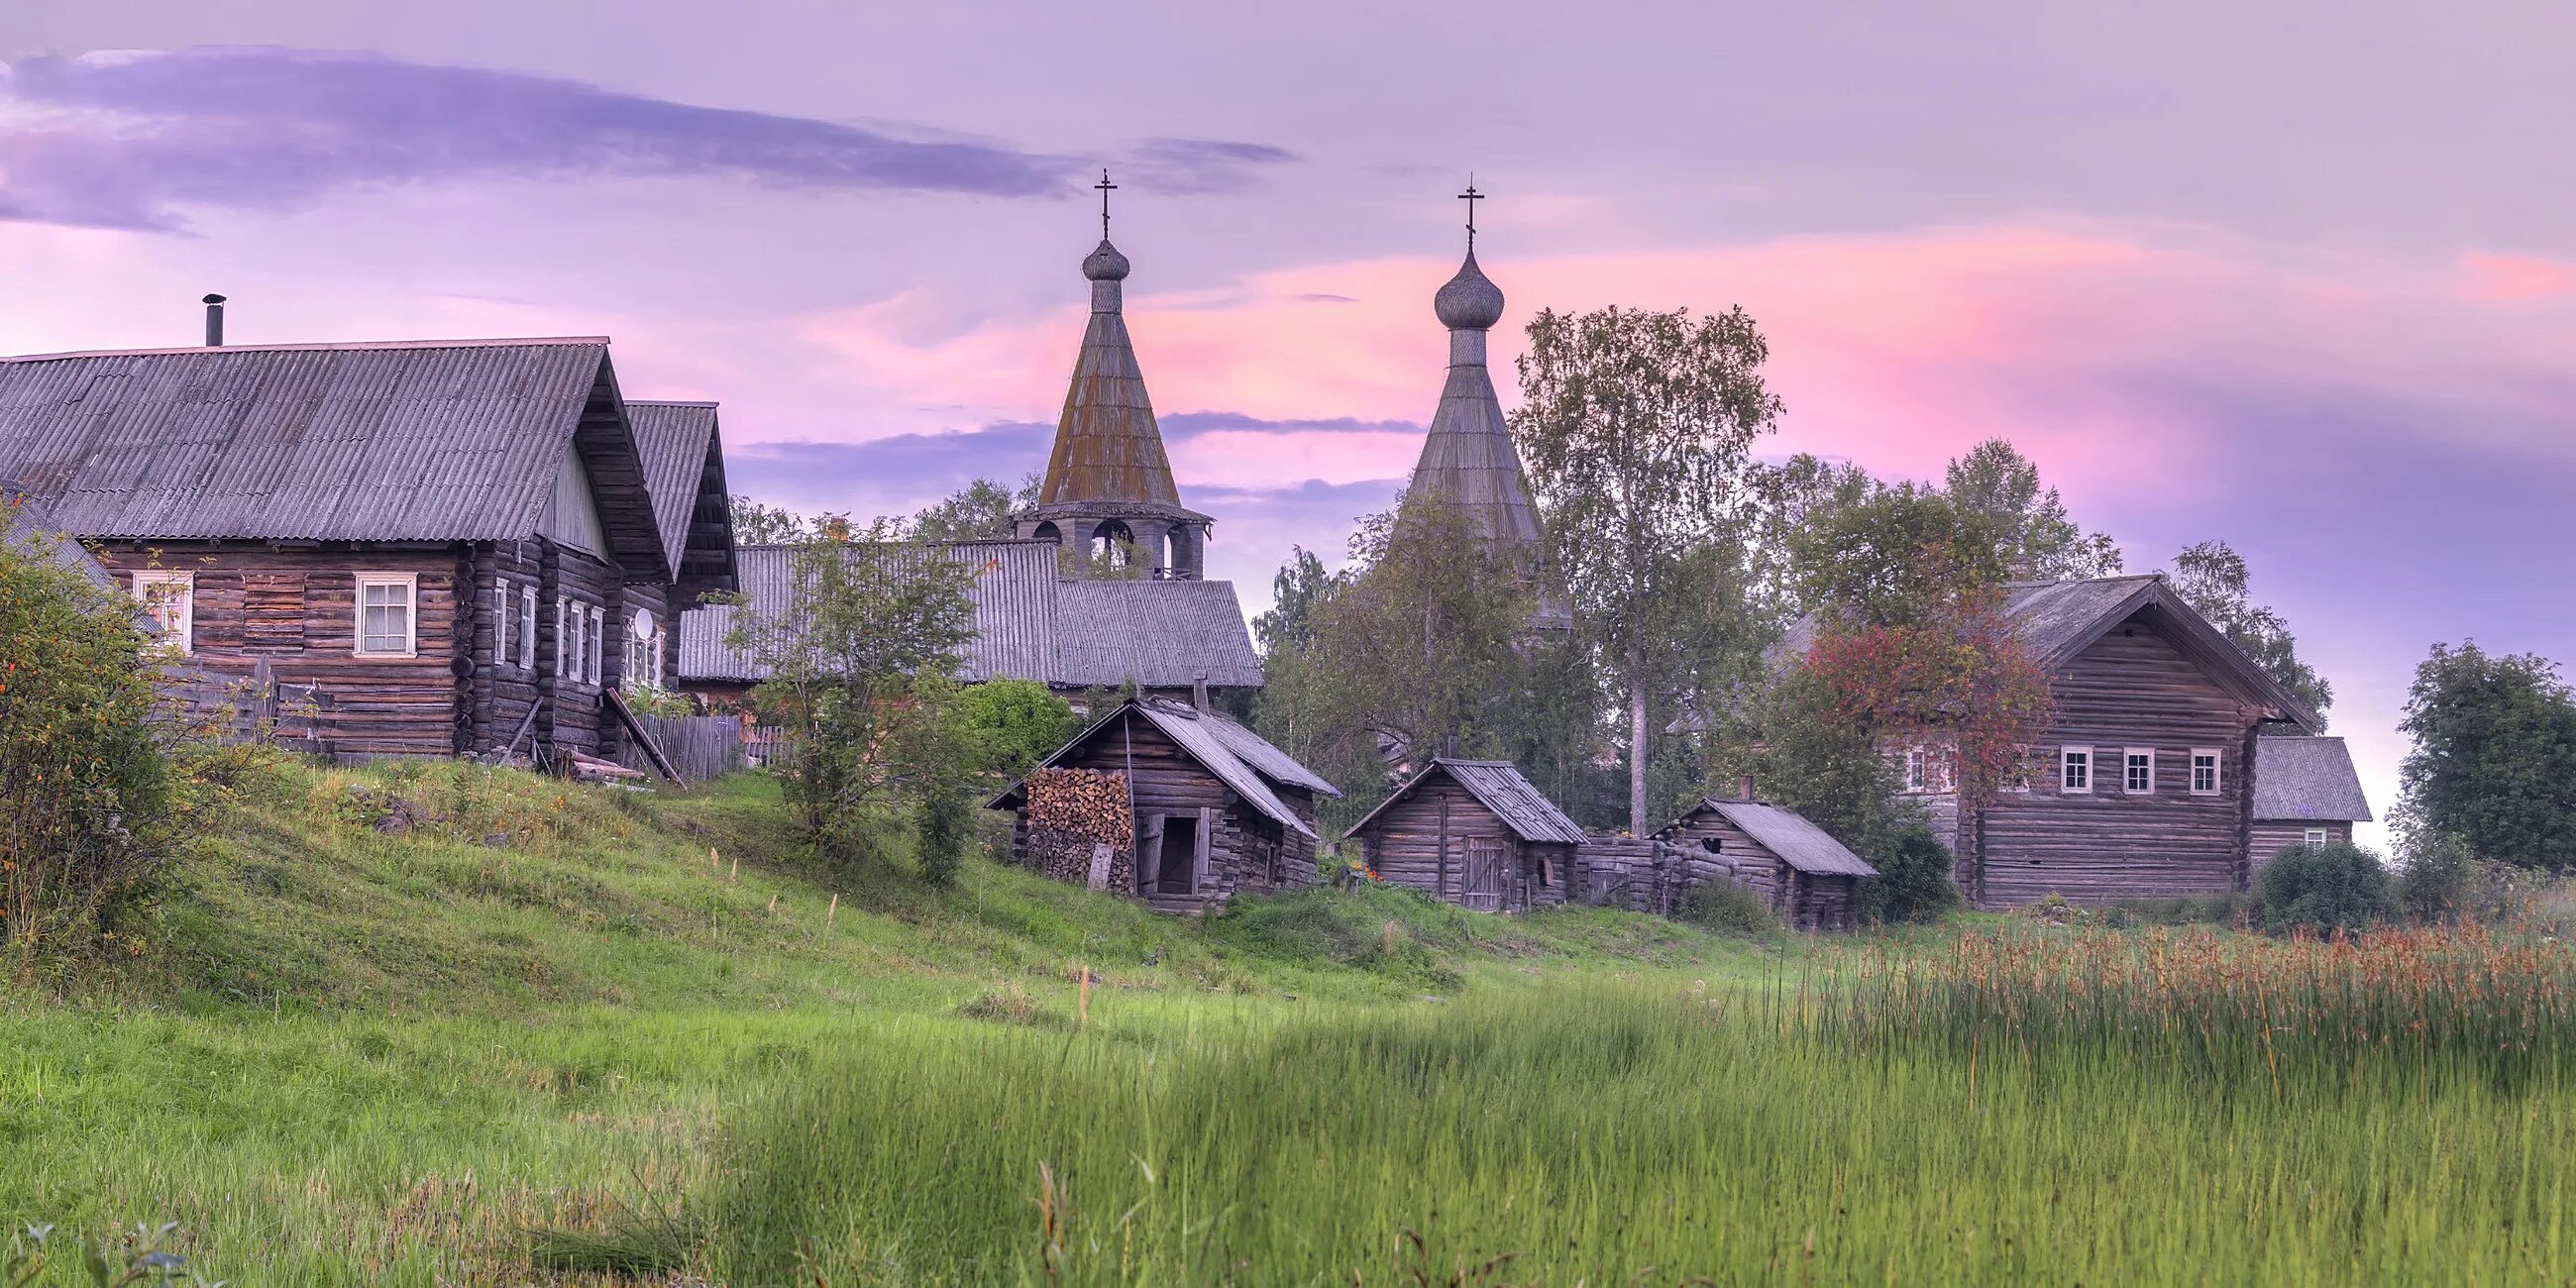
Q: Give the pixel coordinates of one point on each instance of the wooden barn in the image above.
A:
(1807, 876)
(2305, 793)
(467, 545)
(1475, 833)
(1216, 810)
(2141, 785)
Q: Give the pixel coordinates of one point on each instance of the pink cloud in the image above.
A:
(2516, 277)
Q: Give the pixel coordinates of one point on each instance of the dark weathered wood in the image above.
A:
(652, 750)
(1411, 841)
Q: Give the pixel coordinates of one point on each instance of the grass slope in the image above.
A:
(355, 1056)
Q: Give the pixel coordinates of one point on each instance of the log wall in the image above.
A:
(2271, 836)
(1808, 902)
(2129, 689)
(296, 608)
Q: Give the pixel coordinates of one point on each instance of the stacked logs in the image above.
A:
(1071, 811)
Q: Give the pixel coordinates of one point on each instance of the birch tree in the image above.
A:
(1637, 429)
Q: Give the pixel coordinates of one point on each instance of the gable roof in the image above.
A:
(440, 440)
(1012, 593)
(2060, 619)
(1238, 757)
(1030, 623)
(684, 470)
(1499, 786)
(1787, 833)
(1159, 634)
(2309, 779)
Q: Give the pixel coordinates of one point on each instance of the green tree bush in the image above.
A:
(87, 817)
(2495, 750)
(1913, 882)
(1013, 724)
(2333, 887)
(1729, 909)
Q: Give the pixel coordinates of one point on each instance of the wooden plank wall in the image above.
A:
(296, 607)
(2131, 688)
(2271, 836)
(1164, 781)
(1406, 845)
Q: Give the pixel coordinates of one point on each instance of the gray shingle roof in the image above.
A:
(1160, 634)
(2060, 619)
(2307, 780)
(1238, 757)
(1107, 446)
(1499, 786)
(1031, 624)
(1787, 833)
(683, 464)
(433, 440)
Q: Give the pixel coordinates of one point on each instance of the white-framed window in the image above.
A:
(388, 614)
(2138, 771)
(169, 602)
(2075, 769)
(2315, 839)
(594, 638)
(505, 623)
(1918, 770)
(527, 628)
(563, 634)
(2204, 771)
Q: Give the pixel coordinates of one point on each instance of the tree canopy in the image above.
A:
(2494, 764)
(2212, 578)
(2034, 536)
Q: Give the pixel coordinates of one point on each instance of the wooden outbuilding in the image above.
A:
(1475, 833)
(1216, 810)
(1810, 879)
(2305, 793)
(468, 545)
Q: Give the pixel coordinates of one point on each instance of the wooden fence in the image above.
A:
(201, 702)
(700, 747)
(1642, 876)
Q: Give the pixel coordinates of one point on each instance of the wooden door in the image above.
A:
(1149, 853)
(1488, 867)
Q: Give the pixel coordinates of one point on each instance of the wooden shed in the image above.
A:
(1808, 877)
(1475, 833)
(1217, 810)
(2305, 793)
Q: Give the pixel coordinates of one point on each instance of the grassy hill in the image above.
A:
(387, 1022)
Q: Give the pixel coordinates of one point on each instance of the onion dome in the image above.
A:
(1105, 264)
(1469, 302)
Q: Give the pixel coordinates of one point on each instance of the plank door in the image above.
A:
(1149, 853)
(1487, 869)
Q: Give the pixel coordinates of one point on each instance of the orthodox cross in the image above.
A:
(1471, 197)
(1106, 187)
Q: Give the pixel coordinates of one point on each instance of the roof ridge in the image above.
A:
(495, 342)
(671, 402)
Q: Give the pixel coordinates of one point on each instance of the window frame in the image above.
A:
(2066, 760)
(2315, 838)
(2129, 754)
(2217, 772)
(595, 641)
(563, 633)
(1918, 770)
(527, 644)
(186, 581)
(361, 582)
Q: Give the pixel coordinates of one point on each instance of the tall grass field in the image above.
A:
(552, 1035)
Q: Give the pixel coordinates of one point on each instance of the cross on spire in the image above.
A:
(1471, 197)
(1106, 187)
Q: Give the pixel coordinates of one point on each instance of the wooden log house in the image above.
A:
(2140, 786)
(1218, 811)
(2305, 793)
(457, 541)
(1810, 879)
(1475, 833)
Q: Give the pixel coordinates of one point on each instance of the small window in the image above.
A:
(527, 628)
(169, 602)
(563, 635)
(2139, 778)
(2315, 839)
(594, 638)
(388, 623)
(2075, 769)
(505, 623)
(1917, 770)
(2204, 771)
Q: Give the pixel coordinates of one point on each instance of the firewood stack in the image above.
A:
(1072, 810)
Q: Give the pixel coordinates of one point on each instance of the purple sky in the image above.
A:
(2303, 278)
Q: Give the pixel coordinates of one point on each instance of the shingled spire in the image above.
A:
(1468, 460)
(1107, 479)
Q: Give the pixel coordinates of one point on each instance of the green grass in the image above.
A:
(353, 1057)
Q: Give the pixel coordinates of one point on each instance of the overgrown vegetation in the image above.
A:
(2323, 890)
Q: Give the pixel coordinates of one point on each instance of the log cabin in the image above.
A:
(1810, 879)
(2140, 785)
(1168, 638)
(1476, 833)
(2305, 793)
(457, 541)
(1218, 812)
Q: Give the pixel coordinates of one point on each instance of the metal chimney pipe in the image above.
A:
(214, 321)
